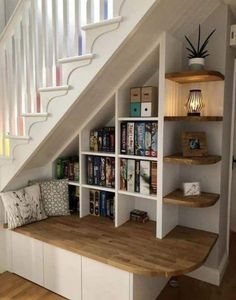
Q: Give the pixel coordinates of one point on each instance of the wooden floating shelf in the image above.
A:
(195, 76)
(138, 157)
(203, 160)
(203, 200)
(151, 197)
(194, 118)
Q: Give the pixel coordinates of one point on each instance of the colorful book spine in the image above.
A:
(148, 138)
(131, 175)
(140, 139)
(123, 174)
(90, 170)
(130, 138)
(92, 202)
(137, 176)
(113, 172)
(112, 207)
(103, 171)
(103, 204)
(96, 170)
(76, 171)
(112, 139)
(144, 177)
(123, 138)
(100, 139)
(108, 172)
(97, 202)
(153, 177)
(95, 141)
(59, 169)
(91, 141)
(154, 139)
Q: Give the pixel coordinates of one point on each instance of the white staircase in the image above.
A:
(43, 45)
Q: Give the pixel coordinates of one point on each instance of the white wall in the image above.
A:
(6, 9)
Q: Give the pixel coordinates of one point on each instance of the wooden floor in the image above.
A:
(14, 287)
(132, 247)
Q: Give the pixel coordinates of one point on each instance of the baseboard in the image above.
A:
(211, 275)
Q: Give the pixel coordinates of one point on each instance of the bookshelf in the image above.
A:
(168, 208)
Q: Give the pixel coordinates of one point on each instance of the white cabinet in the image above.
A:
(27, 257)
(62, 272)
(101, 281)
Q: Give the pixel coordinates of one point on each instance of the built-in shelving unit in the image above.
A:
(203, 160)
(75, 183)
(203, 200)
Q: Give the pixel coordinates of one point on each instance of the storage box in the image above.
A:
(149, 94)
(135, 94)
(135, 109)
(147, 109)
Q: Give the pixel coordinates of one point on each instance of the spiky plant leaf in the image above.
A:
(206, 42)
(191, 45)
(190, 50)
(199, 38)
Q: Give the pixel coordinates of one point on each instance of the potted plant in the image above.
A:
(197, 55)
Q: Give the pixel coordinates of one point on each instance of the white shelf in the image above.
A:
(141, 119)
(75, 183)
(151, 197)
(138, 157)
(97, 187)
(107, 154)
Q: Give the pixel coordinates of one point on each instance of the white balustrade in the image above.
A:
(39, 33)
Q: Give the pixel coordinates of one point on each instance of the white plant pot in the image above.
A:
(196, 63)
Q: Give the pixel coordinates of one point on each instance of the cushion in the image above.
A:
(34, 195)
(21, 209)
(55, 197)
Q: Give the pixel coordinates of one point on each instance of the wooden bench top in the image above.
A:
(131, 247)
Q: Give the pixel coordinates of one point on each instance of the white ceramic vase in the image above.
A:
(196, 63)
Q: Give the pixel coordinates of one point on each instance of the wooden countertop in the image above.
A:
(131, 247)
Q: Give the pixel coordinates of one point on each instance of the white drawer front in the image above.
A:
(27, 257)
(103, 282)
(62, 272)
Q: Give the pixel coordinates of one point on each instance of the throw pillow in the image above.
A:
(34, 196)
(55, 196)
(19, 208)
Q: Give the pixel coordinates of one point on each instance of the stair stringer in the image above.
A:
(41, 131)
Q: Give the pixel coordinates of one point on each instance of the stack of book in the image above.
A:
(101, 203)
(139, 176)
(139, 138)
(68, 168)
(103, 140)
(101, 171)
(74, 199)
(139, 216)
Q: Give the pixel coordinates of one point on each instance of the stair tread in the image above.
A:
(76, 58)
(45, 114)
(54, 88)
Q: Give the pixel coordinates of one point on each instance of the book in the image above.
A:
(148, 138)
(137, 176)
(153, 177)
(100, 139)
(92, 202)
(112, 205)
(103, 204)
(108, 172)
(140, 138)
(112, 139)
(102, 171)
(90, 169)
(71, 174)
(123, 138)
(76, 171)
(131, 175)
(59, 169)
(123, 174)
(154, 139)
(130, 138)
(95, 141)
(91, 141)
(144, 177)
(96, 170)
(96, 203)
(113, 172)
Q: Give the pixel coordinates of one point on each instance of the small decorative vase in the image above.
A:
(196, 63)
